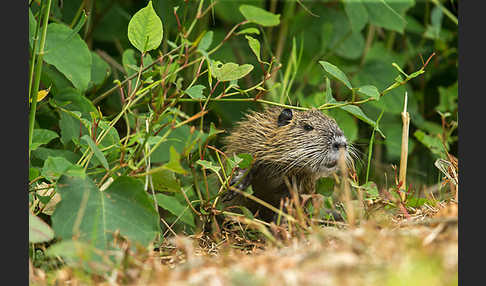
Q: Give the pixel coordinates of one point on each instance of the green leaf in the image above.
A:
(357, 112)
(41, 137)
(336, 73)
(93, 216)
(433, 30)
(246, 161)
(246, 212)
(43, 153)
(145, 29)
(206, 41)
(447, 98)
(69, 54)
(174, 164)
(72, 99)
(381, 14)
(369, 91)
(32, 27)
(166, 180)
(213, 131)
(171, 204)
(357, 14)
(230, 71)
(78, 254)
(248, 31)
(100, 71)
(196, 91)
(371, 190)
(259, 16)
(33, 173)
(39, 231)
(255, 46)
(351, 46)
(97, 152)
(432, 143)
(209, 165)
(129, 62)
(55, 167)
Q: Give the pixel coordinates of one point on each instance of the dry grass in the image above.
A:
(384, 250)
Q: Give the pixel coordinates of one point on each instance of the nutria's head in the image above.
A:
(305, 141)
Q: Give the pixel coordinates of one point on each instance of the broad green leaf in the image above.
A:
(145, 29)
(357, 14)
(230, 71)
(255, 46)
(166, 180)
(43, 153)
(369, 91)
(351, 46)
(259, 16)
(174, 164)
(432, 143)
(55, 167)
(55, 79)
(434, 29)
(69, 54)
(448, 98)
(93, 216)
(371, 189)
(70, 127)
(196, 91)
(97, 152)
(171, 204)
(381, 14)
(79, 254)
(208, 165)
(357, 112)
(39, 231)
(180, 138)
(100, 71)
(33, 173)
(246, 161)
(72, 99)
(248, 31)
(129, 62)
(336, 73)
(42, 137)
(206, 41)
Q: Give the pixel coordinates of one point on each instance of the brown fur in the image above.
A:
(289, 151)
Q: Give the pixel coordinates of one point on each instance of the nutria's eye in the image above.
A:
(307, 127)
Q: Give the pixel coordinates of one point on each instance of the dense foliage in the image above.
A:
(130, 101)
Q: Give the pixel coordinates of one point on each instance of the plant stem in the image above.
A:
(372, 140)
(404, 153)
(38, 71)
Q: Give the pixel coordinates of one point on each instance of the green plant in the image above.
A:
(130, 138)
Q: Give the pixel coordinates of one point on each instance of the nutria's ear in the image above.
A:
(284, 117)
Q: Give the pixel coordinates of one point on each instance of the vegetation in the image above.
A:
(130, 100)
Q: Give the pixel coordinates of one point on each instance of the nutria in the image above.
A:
(302, 146)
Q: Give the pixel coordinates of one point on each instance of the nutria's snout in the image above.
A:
(339, 142)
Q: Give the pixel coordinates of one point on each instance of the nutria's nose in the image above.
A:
(339, 143)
